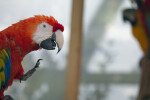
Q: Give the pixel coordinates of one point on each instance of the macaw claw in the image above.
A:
(37, 63)
(7, 97)
(30, 72)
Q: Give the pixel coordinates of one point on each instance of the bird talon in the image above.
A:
(38, 63)
(30, 72)
(40, 59)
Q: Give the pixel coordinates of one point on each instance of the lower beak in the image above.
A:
(50, 43)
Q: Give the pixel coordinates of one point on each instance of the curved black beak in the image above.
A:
(50, 43)
(129, 15)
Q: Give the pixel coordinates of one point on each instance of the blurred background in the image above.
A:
(110, 54)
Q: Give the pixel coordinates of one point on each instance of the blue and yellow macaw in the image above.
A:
(138, 30)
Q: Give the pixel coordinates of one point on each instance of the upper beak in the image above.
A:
(50, 43)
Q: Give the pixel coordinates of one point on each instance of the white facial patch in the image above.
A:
(43, 31)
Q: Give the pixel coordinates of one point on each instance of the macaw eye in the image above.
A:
(44, 26)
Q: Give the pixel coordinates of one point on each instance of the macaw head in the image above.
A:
(130, 15)
(48, 33)
(38, 31)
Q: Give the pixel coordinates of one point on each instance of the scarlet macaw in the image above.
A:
(21, 38)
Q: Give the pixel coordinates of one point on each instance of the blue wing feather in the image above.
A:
(6, 69)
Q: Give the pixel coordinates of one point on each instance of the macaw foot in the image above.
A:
(7, 97)
(30, 72)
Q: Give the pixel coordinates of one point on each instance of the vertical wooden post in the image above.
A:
(74, 58)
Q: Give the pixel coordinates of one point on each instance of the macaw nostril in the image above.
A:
(54, 37)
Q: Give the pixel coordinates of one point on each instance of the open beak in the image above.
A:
(50, 43)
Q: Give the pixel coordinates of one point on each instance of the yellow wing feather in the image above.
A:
(140, 34)
(2, 76)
